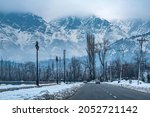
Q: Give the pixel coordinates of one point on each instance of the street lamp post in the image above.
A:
(37, 74)
(57, 67)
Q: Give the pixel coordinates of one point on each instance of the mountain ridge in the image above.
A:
(19, 31)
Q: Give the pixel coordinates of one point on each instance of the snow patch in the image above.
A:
(61, 91)
(132, 84)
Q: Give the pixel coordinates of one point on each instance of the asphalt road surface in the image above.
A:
(92, 91)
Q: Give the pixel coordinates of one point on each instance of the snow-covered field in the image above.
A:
(143, 87)
(46, 92)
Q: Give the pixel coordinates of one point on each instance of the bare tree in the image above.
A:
(91, 55)
(122, 51)
(102, 49)
(74, 69)
(85, 70)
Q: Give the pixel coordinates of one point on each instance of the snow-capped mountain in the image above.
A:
(76, 28)
(133, 26)
(19, 31)
(131, 48)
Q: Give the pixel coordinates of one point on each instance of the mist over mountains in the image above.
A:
(20, 31)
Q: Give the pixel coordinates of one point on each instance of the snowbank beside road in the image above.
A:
(46, 92)
(143, 87)
(10, 86)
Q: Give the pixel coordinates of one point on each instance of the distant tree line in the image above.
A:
(12, 71)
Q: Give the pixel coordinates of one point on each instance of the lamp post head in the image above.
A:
(37, 45)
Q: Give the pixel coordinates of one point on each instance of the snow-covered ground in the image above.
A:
(10, 86)
(46, 92)
(5, 86)
(143, 87)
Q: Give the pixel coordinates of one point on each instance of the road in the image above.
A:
(92, 91)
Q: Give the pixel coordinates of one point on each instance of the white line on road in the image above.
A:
(115, 97)
(110, 94)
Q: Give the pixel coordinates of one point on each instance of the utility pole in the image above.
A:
(37, 74)
(57, 68)
(141, 42)
(64, 66)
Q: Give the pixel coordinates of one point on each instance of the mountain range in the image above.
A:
(20, 31)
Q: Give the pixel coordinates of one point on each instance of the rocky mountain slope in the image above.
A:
(19, 31)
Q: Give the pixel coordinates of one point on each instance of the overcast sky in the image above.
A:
(108, 9)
